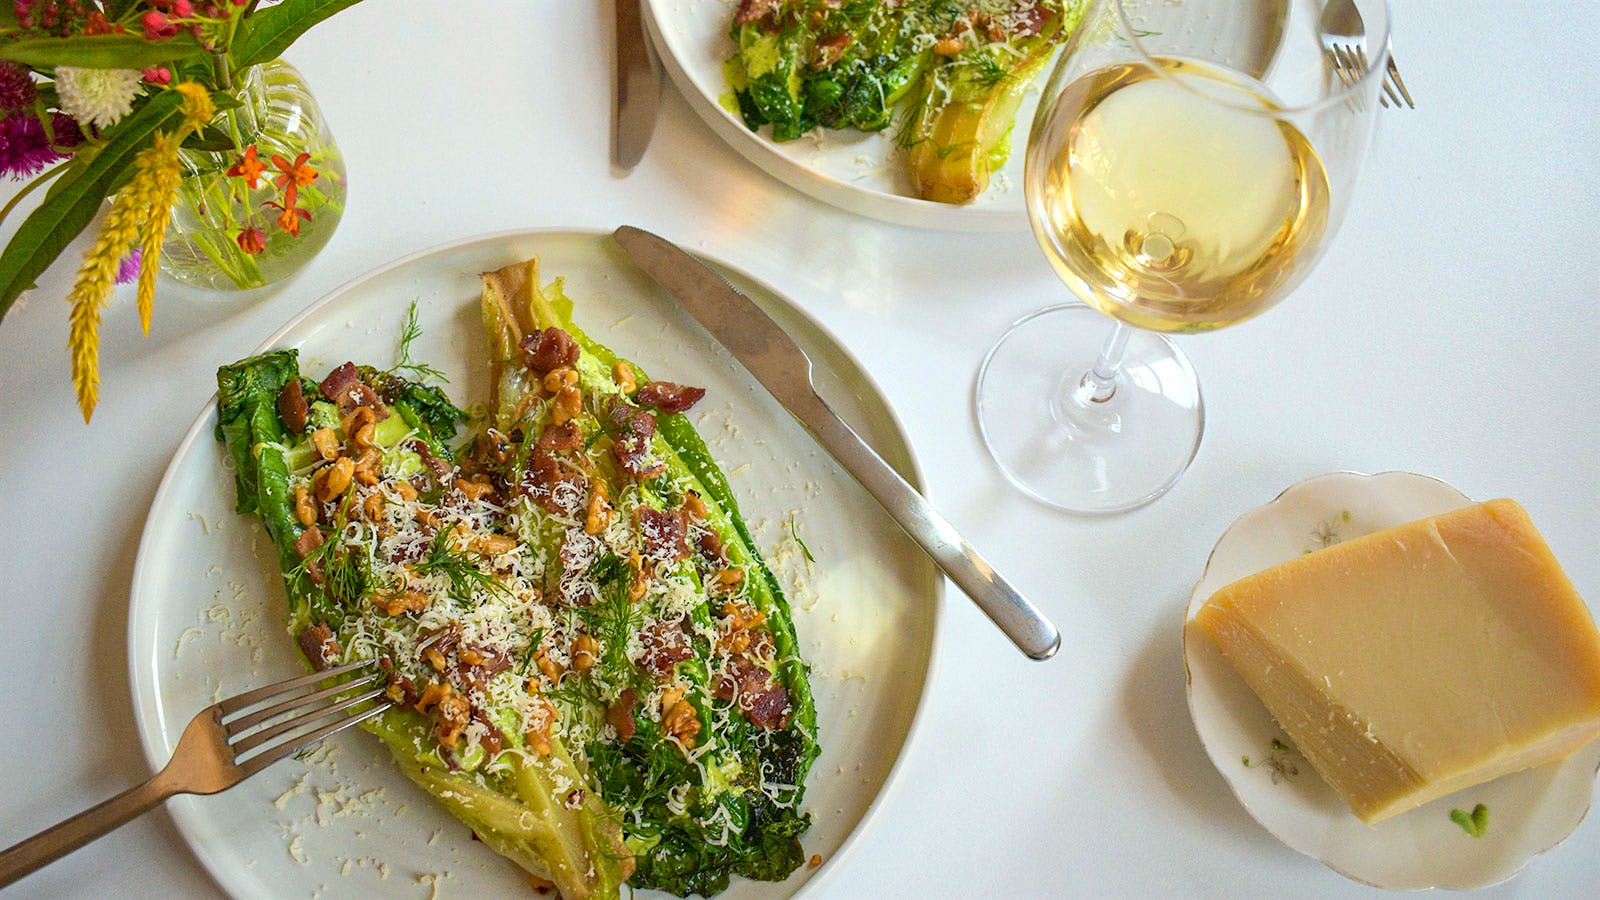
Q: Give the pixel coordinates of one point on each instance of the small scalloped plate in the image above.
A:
(1528, 812)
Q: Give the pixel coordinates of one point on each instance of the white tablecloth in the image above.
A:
(1451, 329)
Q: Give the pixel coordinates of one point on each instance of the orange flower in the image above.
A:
(297, 172)
(290, 219)
(249, 168)
(253, 240)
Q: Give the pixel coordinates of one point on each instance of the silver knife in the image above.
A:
(770, 355)
(638, 86)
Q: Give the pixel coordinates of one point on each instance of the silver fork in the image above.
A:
(222, 746)
(1344, 40)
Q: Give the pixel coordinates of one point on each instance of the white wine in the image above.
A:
(1175, 201)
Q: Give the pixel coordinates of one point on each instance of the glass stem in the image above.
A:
(1099, 384)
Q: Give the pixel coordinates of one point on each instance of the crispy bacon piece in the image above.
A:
(665, 534)
(1029, 19)
(556, 438)
(633, 429)
(399, 688)
(620, 715)
(753, 689)
(553, 486)
(493, 738)
(319, 645)
(756, 10)
(711, 552)
(830, 49)
(345, 387)
(308, 541)
(292, 408)
(665, 645)
(668, 397)
(440, 467)
(549, 350)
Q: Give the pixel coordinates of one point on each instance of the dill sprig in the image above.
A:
(525, 665)
(462, 568)
(346, 574)
(793, 533)
(410, 331)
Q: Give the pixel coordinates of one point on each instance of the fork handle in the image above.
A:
(57, 841)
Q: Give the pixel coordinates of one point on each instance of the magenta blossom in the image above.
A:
(24, 150)
(16, 87)
(128, 269)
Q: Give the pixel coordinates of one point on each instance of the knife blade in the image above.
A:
(778, 363)
(638, 86)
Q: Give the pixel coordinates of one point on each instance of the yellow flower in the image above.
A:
(197, 106)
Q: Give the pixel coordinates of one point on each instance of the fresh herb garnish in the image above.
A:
(794, 533)
(460, 567)
(1474, 823)
(525, 666)
(410, 330)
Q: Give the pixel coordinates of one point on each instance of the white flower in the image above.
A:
(98, 97)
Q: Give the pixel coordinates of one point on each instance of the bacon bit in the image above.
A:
(292, 408)
(764, 702)
(565, 436)
(665, 535)
(493, 739)
(345, 387)
(764, 11)
(829, 50)
(668, 397)
(308, 541)
(319, 645)
(619, 715)
(548, 350)
(711, 552)
(634, 428)
(553, 486)
(440, 467)
(664, 647)
(1029, 21)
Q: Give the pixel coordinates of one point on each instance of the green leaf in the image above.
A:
(209, 138)
(100, 51)
(71, 202)
(264, 36)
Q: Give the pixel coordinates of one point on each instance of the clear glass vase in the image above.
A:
(226, 234)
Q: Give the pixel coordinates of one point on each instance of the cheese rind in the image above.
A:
(1417, 661)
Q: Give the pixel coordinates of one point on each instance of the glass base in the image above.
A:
(1065, 449)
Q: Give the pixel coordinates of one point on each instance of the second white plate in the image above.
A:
(857, 172)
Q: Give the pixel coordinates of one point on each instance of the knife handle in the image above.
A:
(1003, 604)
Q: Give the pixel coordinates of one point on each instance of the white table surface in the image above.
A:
(1451, 329)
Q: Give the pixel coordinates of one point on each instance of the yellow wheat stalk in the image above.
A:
(139, 212)
(130, 213)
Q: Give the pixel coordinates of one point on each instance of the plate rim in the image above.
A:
(146, 710)
(897, 209)
(1184, 637)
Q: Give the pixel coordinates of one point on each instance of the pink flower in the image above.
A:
(16, 87)
(182, 9)
(24, 151)
(156, 26)
(66, 130)
(161, 75)
(128, 269)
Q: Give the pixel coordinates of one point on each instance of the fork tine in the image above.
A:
(1388, 94)
(240, 725)
(1394, 76)
(251, 698)
(272, 754)
(256, 739)
(1339, 69)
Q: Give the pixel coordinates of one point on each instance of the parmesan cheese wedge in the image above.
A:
(1420, 660)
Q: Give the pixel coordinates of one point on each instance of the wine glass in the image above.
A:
(1187, 164)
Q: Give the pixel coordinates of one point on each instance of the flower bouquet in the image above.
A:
(159, 105)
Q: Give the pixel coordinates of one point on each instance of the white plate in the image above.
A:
(1529, 812)
(208, 607)
(858, 172)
